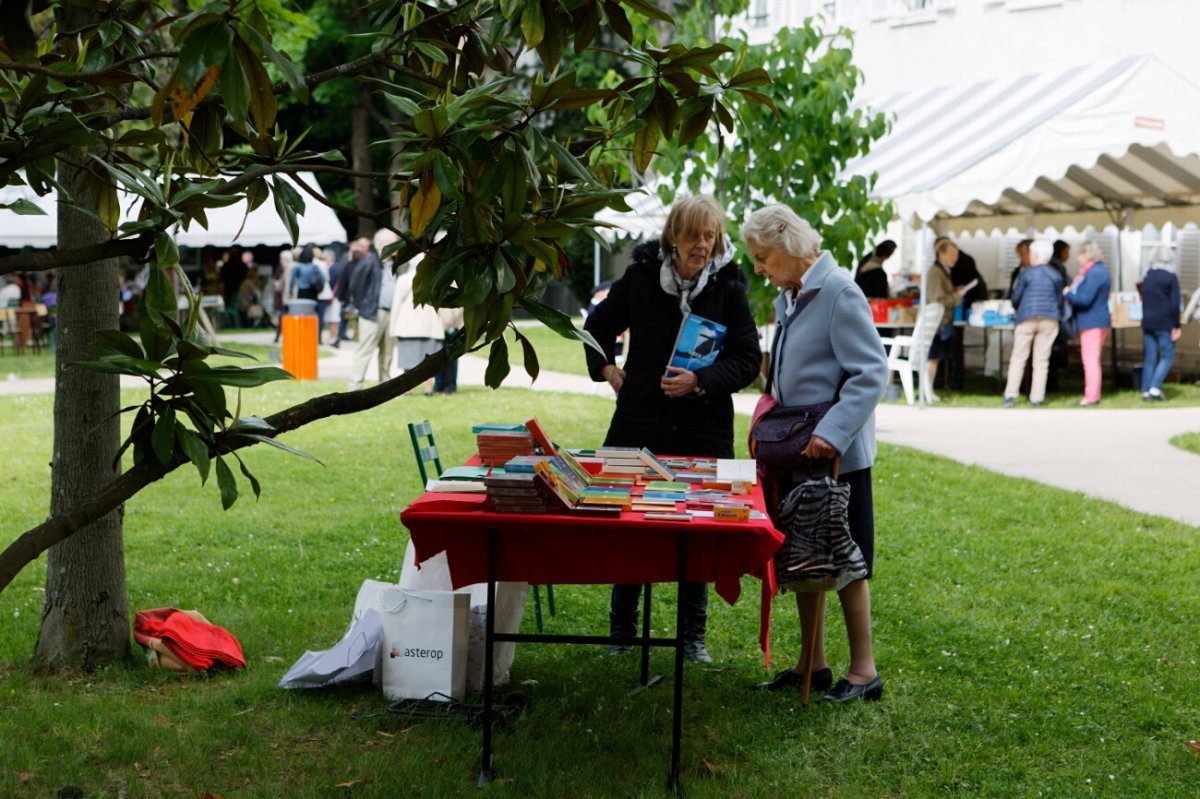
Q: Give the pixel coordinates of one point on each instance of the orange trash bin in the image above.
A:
(300, 346)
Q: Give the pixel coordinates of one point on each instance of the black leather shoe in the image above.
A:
(821, 680)
(846, 691)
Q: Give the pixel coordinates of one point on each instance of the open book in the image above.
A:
(698, 344)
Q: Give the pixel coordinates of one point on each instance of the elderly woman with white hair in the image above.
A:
(1161, 322)
(826, 349)
(1088, 296)
(1037, 297)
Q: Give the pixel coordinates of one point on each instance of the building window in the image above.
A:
(760, 15)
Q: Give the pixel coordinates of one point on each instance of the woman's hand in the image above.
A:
(1176, 333)
(680, 383)
(819, 449)
(615, 377)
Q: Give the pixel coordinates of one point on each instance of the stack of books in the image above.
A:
(636, 461)
(498, 443)
(515, 493)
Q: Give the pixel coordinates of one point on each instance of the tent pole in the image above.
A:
(922, 379)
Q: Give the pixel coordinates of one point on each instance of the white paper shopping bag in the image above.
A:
(423, 652)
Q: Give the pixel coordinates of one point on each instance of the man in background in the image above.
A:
(366, 282)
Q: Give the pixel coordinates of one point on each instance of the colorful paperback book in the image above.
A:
(539, 434)
(667, 485)
(698, 343)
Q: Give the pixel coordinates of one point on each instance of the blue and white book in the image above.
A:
(698, 344)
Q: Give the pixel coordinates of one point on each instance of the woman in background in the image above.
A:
(1161, 321)
(1088, 296)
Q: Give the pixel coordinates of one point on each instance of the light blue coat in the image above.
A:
(832, 335)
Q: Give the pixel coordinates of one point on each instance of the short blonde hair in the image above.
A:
(687, 216)
(779, 227)
(1090, 251)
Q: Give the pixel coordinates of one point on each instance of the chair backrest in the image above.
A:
(926, 328)
(425, 449)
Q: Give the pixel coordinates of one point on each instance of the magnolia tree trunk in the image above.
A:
(85, 618)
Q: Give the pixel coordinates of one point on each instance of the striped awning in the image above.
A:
(1082, 146)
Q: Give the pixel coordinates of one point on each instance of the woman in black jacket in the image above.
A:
(674, 411)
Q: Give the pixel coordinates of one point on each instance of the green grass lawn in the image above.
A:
(1034, 643)
(1188, 441)
(42, 364)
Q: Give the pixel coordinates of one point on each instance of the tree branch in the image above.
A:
(44, 260)
(32, 543)
(82, 77)
(246, 178)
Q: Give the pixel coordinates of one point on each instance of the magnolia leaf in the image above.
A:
(279, 445)
(235, 87)
(195, 449)
(644, 142)
(533, 23)
(226, 483)
(239, 377)
(202, 49)
(497, 368)
(424, 204)
(254, 486)
(262, 92)
(287, 214)
(165, 250)
(120, 342)
(532, 367)
(162, 441)
(251, 424)
(24, 208)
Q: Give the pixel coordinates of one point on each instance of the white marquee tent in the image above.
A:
(226, 226)
(1110, 143)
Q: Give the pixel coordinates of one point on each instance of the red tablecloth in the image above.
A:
(580, 549)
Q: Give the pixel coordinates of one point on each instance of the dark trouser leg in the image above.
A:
(695, 620)
(623, 615)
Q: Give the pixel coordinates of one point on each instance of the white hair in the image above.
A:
(1090, 251)
(1163, 254)
(285, 256)
(778, 226)
(1040, 251)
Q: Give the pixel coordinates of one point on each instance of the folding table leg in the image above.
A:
(673, 783)
(645, 634)
(485, 769)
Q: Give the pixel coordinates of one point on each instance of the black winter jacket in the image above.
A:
(645, 417)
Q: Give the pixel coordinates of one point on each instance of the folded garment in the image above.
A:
(188, 636)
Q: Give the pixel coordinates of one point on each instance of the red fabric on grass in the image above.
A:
(199, 644)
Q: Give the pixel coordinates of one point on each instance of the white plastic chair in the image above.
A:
(906, 354)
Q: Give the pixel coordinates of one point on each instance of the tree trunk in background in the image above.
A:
(360, 155)
(85, 617)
